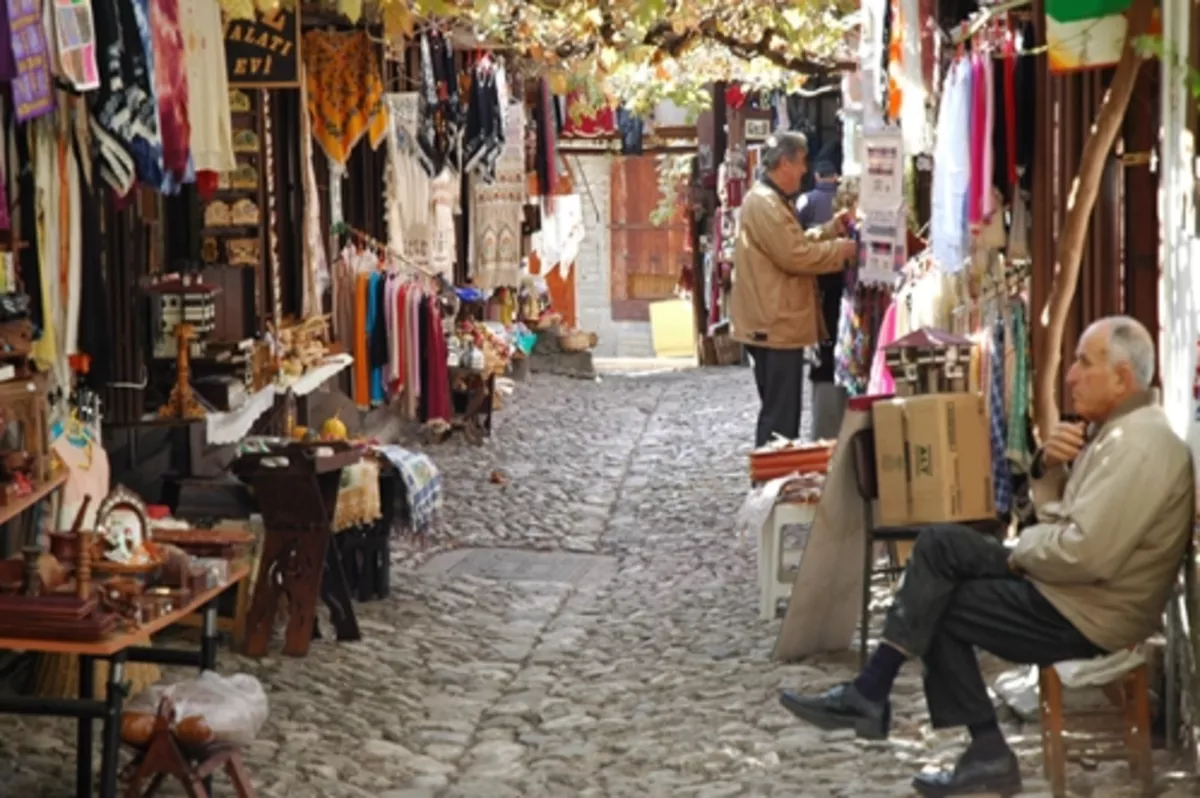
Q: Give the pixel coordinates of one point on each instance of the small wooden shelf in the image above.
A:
(20, 504)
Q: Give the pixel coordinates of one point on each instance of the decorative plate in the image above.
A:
(244, 213)
(239, 102)
(217, 214)
(245, 177)
(245, 141)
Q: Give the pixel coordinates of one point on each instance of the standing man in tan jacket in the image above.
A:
(775, 311)
(1116, 502)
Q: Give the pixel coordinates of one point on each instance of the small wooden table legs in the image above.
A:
(299, 562)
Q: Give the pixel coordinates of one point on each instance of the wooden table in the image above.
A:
(118, 648)
(297, 494)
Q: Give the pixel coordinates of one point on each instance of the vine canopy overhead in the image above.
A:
(638, 51)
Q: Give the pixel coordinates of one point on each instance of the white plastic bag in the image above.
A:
(234, 707)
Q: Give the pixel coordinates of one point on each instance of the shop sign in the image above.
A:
(264, 52)
(1087, 34)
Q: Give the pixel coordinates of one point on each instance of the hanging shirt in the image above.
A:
(210, 129)
(952, 170)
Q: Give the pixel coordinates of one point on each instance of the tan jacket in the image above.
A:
(775, 303)
(1112, 533)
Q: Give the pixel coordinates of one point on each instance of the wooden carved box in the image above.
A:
(929, 361)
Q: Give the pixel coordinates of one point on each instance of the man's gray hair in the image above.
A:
(1130, 342)
(785, 145)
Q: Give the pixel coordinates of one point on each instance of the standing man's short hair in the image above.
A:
(785, 145)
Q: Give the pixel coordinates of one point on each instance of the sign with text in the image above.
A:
(264, 52)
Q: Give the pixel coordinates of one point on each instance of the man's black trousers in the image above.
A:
(779, 375)
(957, 593)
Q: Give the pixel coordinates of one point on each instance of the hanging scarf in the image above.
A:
(1018, 437)
(345, 92)
(171, 88)
(75, 44)
(33, 87)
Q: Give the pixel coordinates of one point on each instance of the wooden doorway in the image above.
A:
(647, 259)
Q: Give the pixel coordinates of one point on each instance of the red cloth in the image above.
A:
(601, 123)
(437, 392)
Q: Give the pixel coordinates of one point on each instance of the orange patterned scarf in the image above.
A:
(345, 91)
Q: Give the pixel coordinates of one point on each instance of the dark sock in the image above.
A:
(987, 740)
(874, 682)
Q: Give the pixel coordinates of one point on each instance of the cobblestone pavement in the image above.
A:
(655, 682)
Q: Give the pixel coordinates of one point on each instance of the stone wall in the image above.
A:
(594, 296)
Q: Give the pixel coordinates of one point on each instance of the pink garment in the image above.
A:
(979, 141)
(881, 382)
(988, 197)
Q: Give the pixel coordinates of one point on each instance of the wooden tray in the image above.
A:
(96, 627)
(18, 610)
(206, 538)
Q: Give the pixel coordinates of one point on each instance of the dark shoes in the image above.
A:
(997, 773)
(843, 707)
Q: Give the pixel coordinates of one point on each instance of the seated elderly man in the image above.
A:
(1115, 499)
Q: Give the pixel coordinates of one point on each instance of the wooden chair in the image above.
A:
(163, 756)
(1128, 738)
(862, 449)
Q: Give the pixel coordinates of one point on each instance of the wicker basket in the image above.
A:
(545, 322)
(577, 341)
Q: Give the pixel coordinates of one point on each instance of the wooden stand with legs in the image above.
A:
(163, 757)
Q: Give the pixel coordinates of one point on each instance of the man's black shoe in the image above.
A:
(973, 775)
(843, 707)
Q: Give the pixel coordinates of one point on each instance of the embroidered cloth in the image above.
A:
(345, 92)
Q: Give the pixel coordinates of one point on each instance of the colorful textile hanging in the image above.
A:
(345, 92)
(75, 44)
(33, 88)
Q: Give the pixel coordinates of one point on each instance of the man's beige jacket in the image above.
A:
(1113, 530)
(775, 303)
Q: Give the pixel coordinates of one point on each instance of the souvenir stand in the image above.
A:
(951, 309)
(100, 594)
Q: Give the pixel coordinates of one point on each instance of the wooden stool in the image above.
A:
(1130, 694)
(163, 757)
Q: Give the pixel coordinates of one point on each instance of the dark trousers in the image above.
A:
(779, 375)
(958, 593)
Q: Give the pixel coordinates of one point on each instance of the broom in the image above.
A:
(58, 674)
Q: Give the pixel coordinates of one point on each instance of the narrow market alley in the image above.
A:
(649, 676)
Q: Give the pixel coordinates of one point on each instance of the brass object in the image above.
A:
(210, 250)
(243, 251)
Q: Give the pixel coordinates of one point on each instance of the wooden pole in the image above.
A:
(1080, 202)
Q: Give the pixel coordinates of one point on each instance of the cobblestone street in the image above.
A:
(652, 678)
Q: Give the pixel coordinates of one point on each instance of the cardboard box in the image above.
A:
(891, 463)
(947, 460)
